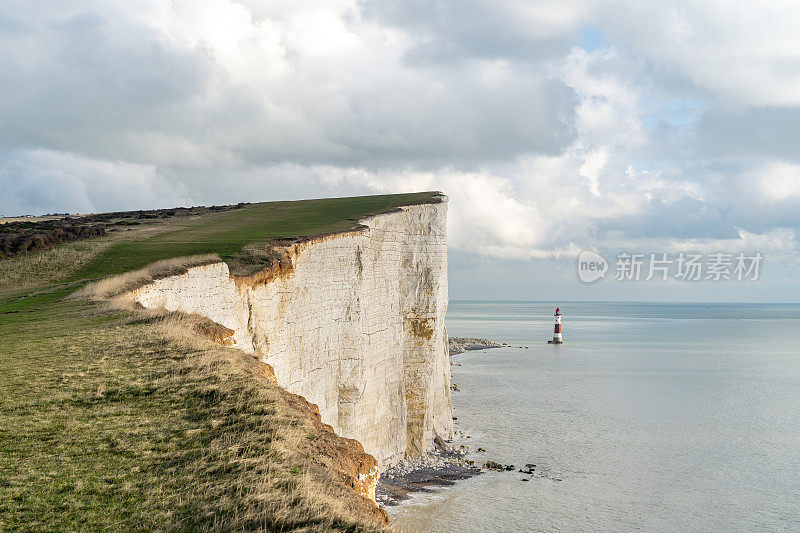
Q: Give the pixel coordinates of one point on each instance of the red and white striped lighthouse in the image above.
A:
(557, 339)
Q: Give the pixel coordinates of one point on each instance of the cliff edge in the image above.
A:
(352, 321)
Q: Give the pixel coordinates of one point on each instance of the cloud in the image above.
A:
(187, 84)
(89, 79)
(553, 126)
(744, 53)
(457, 30)
(44, 181)
(756, 132)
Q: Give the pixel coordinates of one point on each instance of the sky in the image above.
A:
(554, 127)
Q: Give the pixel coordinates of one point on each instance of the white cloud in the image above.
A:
(778, 180)
(544, 148)
(743, 52)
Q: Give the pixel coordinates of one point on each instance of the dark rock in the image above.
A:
(458, 345)
(393, 489)
(491, 465)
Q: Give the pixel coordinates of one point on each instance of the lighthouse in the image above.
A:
(557, 339)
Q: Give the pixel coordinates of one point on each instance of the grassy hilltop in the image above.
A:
(127, 420)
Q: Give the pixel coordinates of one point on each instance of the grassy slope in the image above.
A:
(109, 420)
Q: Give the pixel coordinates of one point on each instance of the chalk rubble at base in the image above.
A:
(457, 345)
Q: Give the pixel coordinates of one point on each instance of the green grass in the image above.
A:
(228, 233)
(117, 420)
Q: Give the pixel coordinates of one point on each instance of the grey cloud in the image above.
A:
(40, 181)
(685, 218)
(81, 81)
(420, 121)
(732, 201)
(89, 80)
(450, 30)
(760, 131)
(465, 124)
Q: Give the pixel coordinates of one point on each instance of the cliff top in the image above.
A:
(227, 233)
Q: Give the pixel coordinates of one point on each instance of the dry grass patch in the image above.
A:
(292, 470)
(26, 271)
(114, 286)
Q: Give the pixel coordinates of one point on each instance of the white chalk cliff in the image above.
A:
(355, 325)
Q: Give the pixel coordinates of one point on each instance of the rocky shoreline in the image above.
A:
(441, 468)
(458, 345)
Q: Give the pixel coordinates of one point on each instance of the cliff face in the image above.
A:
(353, 322)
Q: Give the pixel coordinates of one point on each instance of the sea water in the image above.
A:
(650, 417)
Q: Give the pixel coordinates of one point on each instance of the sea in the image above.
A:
(650, 417)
